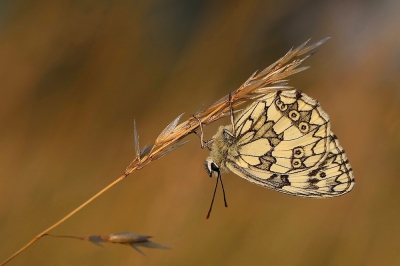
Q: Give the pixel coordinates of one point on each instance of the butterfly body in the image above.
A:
(284, 142)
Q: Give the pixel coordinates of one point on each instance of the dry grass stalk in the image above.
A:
(268, 80)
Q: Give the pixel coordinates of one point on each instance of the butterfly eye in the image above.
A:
(211, 167)
(294, 115)
(214, 167)
(296, 163)
(304, 127)
(298, 152)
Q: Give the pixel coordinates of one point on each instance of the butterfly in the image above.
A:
(283, 141)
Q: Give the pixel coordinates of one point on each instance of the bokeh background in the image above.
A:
(75, 74)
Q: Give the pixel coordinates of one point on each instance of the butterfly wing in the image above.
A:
(284, 142)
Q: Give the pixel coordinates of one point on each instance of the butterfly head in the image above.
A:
(211, 167)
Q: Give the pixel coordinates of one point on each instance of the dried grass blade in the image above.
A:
(168, 129)
(268, 69)
(267, 90)
(150, 244)
(146, 150)
(313, 46)
(136, 136)
(169, 149)
(288, 73)
(250, 79)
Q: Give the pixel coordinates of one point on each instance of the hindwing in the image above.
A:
(284, 141)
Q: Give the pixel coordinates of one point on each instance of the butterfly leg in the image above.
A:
(203, 143)
(231, 114)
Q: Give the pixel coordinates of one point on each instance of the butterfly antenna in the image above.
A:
(232, 117)
(212, 201)
(219, 178)
(223, 190)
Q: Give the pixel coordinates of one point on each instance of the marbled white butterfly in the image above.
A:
(284, 142)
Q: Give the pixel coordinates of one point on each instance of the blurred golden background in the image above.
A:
(75, 74)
